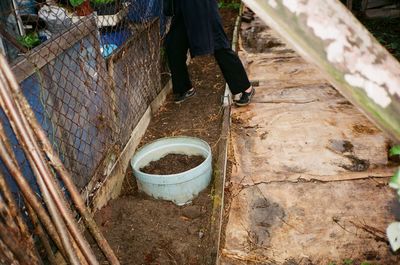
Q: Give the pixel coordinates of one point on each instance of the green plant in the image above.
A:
(76, 3)
(395, 150)
(102, 2)
(331, 263)
(395, 180)
(30, 40)
(231, 5)
(348, 262)
(163, 52)
(393, 232)
(365, 263)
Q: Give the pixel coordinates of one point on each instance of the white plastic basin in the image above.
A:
(179, 188)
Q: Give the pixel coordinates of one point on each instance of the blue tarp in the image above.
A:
(31, 90)
(144, 10)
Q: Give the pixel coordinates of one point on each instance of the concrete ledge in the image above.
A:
(111, 187)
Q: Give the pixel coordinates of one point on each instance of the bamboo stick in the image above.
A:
(57, 219)
(6, 256)
(16, 214)
(11, 236)
(35, 221)
(7, 193)
(41, 234)
(43, 173)
(26, 141)
(10, 153)
(75, 195)
(66, 177)
(29, 196)
(33, 201)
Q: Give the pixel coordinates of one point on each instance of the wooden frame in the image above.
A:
(40, 56)
(349, 4)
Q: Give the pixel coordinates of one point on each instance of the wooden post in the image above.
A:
(327, 34)
(349, 4)
(364, 4)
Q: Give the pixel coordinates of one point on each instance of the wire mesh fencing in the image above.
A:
(53, 219)
(89, 70)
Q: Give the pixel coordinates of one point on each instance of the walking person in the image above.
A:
(196, 26)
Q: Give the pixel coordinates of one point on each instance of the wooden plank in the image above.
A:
(349, 4)
(10, 38)
(382, 12)
(38, 57)
(378, 3)
(218, 190)
(364, 4)
(344, 51)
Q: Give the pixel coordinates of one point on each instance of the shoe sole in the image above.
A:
(186, 98)
(245, 104)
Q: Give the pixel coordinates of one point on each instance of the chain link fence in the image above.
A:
(89, 69)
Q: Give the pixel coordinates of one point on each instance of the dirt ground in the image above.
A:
(142, 230)
(172, 164)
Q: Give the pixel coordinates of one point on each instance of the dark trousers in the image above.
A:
(177, 46)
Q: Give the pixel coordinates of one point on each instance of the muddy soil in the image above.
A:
(142, 230)
(146, 231)
(172, 164)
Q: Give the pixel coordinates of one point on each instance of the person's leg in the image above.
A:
(177, 46)
(234, 74)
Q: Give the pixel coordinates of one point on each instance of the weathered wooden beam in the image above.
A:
(378, 3)
(364, 5)
(38, 57)
(11, 39)
(382, 13)
(325, 33)
(349, 4)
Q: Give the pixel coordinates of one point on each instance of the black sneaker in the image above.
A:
(245, 98)
(182, 97)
